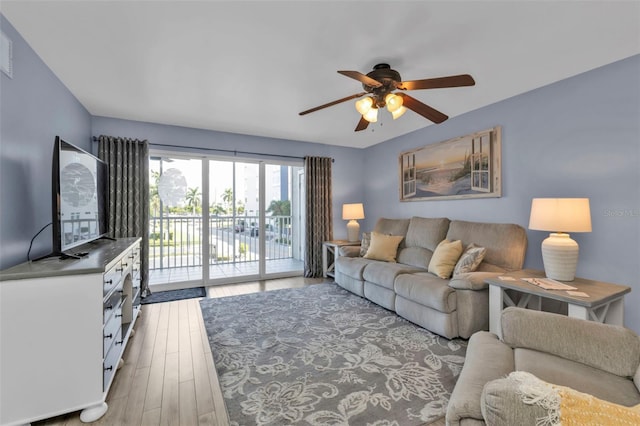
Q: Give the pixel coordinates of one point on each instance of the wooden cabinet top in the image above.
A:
(101, 257)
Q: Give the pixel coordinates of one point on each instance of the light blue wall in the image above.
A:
(579, 137)
(347, 167)
(576, 138)
(34, 107)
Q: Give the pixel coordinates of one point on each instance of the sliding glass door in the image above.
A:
(252, 215)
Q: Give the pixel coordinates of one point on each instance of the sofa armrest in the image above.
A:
(502, 405)
(487, 359)
(471, 280)
(350, 251)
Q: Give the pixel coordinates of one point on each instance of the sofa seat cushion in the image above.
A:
(581, 377)
(428, 290)
(352, 266)
(384, 274)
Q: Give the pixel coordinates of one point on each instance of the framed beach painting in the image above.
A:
(464, 167)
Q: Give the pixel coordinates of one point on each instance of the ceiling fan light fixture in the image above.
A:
(364, 105)
(394, 102)
(398, 112)
(372, 115)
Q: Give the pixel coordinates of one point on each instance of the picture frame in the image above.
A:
(460, 168)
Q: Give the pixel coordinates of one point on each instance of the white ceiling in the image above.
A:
(250, 67)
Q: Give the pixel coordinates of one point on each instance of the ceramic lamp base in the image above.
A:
(353, 230)
(560, 257)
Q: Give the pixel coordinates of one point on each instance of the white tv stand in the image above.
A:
(64, 325)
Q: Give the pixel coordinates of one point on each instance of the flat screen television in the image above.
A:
(80, 197)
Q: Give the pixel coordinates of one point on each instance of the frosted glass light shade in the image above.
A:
(398, 113)
(371, 116)
(364, 105)
(394, 102)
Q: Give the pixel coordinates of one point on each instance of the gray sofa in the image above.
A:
(455, 307)
(596, 359)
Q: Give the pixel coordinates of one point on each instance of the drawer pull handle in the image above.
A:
(109, 368)
(118, 315)
(109, 282)
(108, 308)
(119, 270)
(119, 342)
(109, 336)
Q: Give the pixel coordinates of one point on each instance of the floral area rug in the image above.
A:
(319, 355)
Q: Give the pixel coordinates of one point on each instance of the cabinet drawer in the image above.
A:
(111, 305)
(111, 279)
(111, 360)
(110, 330)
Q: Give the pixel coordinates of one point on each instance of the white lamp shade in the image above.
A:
(352, 211)
(560, 215)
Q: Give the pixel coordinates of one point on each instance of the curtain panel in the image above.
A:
(318, 212)
(128, 161)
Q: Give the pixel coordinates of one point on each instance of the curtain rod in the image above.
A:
(234, 152)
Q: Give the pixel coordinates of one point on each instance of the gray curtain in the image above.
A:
(128, 161)
(318, 212)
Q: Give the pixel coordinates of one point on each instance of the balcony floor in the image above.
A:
(220, 272)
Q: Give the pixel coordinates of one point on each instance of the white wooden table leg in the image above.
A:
(576, 311)
(496, 303)
(325, 264)
(616, 312)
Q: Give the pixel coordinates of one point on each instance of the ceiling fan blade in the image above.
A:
(424, 110)
(336, 102)
(438, 83)
(362, 124)
(361, 78)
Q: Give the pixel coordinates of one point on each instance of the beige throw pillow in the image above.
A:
(445, 257)
(470, 259)
(383, 247)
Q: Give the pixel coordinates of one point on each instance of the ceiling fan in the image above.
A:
(380, 84)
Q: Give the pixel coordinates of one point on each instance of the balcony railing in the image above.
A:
(176, 241)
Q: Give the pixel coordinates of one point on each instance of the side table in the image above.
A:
(605, 303)
(331, 252)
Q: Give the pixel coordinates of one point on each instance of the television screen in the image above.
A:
(80, 193)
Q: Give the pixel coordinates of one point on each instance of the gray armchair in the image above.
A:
(597, 359)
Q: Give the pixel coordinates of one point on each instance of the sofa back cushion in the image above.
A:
(391, 226)
(611, 348)
(423, 236)
(506, 243)
(576, 375)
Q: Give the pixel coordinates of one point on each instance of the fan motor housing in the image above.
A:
(389, 78)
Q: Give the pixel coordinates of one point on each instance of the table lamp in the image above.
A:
(353, 212)
(560, 215)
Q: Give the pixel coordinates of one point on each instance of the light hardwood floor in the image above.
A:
(168, 377)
